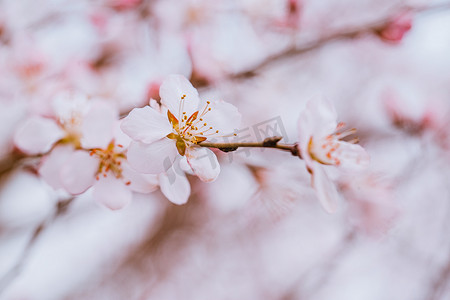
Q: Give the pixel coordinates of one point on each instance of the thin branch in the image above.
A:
(341, 34)
(9, 162)
(441, 282)
(60, 209)
(271, 142)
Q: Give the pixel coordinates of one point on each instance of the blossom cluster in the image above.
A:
(84, 144)
(92, 125)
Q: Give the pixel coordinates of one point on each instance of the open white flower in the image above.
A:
(162, 135)
(75, 120)
(106, 170)
(321, 145)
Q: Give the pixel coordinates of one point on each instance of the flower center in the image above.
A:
(191, 129)
(71, 126)
(110, 161)
(326, 150)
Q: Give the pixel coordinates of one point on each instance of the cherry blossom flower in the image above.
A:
(371, 204)
(74, 120)
(163, 135)
(321, 146)
(106, 169)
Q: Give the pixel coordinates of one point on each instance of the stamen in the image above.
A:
(340, 125)
(343, 134)
(353, 141)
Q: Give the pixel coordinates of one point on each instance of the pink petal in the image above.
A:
(223, 117)
(352, 156)
(120, 137)
(146, 125)
(98, 125)
(318, 119)
(175, 186)
(138, 182)
(171, 92)
(325, 189)
(52, 164)
(204, 163)
(78, 174)
(37, 135)
(184, 165)
(66, 103)
(112, 192)
(323, 115)
(152, 158)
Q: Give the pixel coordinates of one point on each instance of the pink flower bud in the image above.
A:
(396, 27)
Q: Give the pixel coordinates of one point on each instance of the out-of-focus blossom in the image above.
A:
(123, 4)
(396, 28)
(429, 118)
(74, 120)
(106, 169)
(321, 145)
(371, 203)
(292, 15)
(160, 137)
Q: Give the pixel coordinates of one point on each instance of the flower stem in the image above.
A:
(271, 142)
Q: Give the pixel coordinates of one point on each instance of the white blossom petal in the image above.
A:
(325, 189)
(112, 192)
(175, 186)
(66, 104)
(98, 125)
(37, 135)
(322, 116)
(173, 89)
(152, 158)
(204, 163)
(352, 156)
(318, 119)
(78, 174)
(146, 125)
(52, 164)
(223, 117)
(138, 182)
(120, 138)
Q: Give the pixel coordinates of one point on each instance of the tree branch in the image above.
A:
(342, 34)
(271, 142)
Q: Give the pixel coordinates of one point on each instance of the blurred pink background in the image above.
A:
(258, 231)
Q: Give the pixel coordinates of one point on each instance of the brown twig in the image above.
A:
(271, 142)
(441, 282)
(341, 34)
